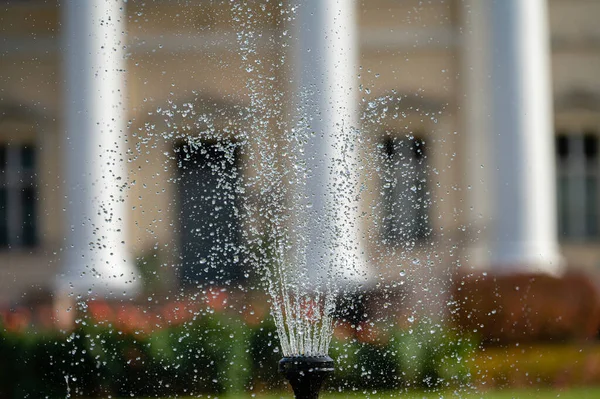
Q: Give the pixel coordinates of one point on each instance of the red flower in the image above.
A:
(254, 314)
(217, 298)
(342, 331)
(370, 334)
(18, 320)
(45, 316)
(100, 311)
(133, 319)
(177, 312)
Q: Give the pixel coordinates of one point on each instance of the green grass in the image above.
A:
(580, 393)
(567, 393)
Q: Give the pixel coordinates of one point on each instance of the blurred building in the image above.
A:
(426, 94)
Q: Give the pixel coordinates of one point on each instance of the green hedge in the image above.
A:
(416, 358)
(215, 353)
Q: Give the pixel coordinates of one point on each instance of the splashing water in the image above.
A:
(304, 320)
(306, 202)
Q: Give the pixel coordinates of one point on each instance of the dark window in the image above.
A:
(562, 146)
(2, 158)
(210, 224)
(592, 206)
(18, 202)
(3, 218)
(406, 196)
(577, 185)
(590, 146)
(28, 216)
(27, 158)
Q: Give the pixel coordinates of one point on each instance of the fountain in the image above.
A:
(326, 252)
(314, 240)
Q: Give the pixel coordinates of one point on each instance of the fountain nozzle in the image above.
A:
(306, 374)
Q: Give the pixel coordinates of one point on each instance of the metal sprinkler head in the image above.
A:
(306, 374)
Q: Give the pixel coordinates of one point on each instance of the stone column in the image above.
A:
(524, 228)
(327, 96)
(95, 261)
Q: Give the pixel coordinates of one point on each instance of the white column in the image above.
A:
(525, 231)
(327, 71)
(477, 123)
(96, 261)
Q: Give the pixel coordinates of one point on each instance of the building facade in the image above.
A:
(425, 115)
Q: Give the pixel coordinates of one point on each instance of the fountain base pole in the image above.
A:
(306, 374)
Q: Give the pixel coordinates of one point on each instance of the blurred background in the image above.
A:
(484, 114)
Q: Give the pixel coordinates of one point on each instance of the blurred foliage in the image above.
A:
(155, 275)
(403, 358)
(526, 365)
(505, 309)
(211, 352)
